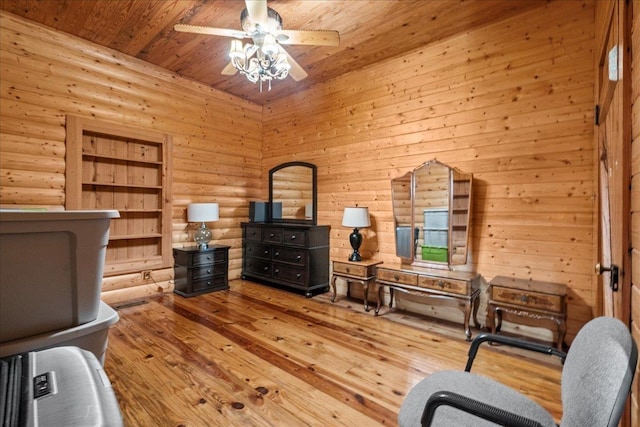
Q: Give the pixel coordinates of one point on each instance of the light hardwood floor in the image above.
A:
(258, 356)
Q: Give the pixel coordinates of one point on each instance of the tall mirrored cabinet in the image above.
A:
(432, 214)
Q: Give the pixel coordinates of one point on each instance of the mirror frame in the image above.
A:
(412, 259)
(314, 195)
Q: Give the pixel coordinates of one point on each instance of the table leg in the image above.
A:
(467, 315)
(379, 289)
(365, 287)
(491, 321)
(476, 304)
(333, 287)
(562, 331)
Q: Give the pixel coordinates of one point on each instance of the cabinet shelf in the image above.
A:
(120, 159)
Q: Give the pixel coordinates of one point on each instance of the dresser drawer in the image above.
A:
(294, 256)
(257, 250)
(295, 236)
(257, 266)
(399, 277)
(459, 287)
(207, 258)
(293, 274)
(530, 299)
(354, 270)
(272, 235)
(253, 233)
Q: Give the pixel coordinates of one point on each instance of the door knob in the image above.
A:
(615, 273)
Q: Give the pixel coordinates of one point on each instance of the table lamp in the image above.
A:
(203, 213)
(356, 218)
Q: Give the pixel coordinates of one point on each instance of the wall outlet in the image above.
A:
(146, 275)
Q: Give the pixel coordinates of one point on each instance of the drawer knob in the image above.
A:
(396, 276)
(276, 254)
(272, 235)
(524, 298)
(293, 237)
(208, 271)
(298, 275)
(298, 258)
(276, 271)
(208, 283)
(348, 270)
(266, 252)
(440, 283)
(265, 269)
(209, 258)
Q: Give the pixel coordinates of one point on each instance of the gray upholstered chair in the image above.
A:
(596, 378)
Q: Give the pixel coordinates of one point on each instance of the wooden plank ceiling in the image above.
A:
(370, 31)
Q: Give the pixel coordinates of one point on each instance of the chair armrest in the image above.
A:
(510, 341)
(473, 407)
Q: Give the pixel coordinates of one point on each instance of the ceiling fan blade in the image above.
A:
(257, 10)
(296, 72)
(210, 31)
(229, 70)
(316, 38)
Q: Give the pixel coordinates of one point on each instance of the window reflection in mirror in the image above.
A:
(432, 210)
(292, 192)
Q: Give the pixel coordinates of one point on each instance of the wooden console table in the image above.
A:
(440, 287)
(363, 272)
(532, 303)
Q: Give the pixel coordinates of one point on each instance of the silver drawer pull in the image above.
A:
(271, 235)
(276, 254)
(293, 237)
(265, 269)
(208, 271)
(298, 258)
(266, 252)
(276, 271)
(209, 258)
(208, 283)
(298, 275)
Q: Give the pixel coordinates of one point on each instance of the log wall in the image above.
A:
(511, 103)
(217, 138)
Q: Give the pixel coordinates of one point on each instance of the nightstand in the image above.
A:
(201, 271)
(531, 302)
(363, 272)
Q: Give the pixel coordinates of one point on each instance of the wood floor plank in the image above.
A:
(258, 356)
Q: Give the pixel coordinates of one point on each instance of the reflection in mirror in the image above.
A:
(431, 208)
(401, 195)
(431, 212)
(292, 192)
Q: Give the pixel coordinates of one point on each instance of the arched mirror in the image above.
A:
(293, 193)
(432, 213)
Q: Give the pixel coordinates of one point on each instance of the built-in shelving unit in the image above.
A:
(115, 167)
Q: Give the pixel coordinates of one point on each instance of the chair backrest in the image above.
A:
(597, 374)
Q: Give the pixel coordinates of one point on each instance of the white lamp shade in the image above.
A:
(202, 212)
(356, 217)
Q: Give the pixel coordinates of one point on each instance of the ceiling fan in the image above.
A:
(263, 58)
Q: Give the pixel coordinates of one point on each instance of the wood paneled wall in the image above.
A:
(217, 138)
(511, 103)
(635, 201)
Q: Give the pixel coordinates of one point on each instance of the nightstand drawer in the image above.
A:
(209, 258)
(397, 277)
(354, 270)
(253, 233)
(444, 285)
(528, 299)
(211, 282)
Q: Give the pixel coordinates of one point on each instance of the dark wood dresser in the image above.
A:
(290, 255)
(201, 271)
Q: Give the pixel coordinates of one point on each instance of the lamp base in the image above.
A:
(202, 236)
(355, 239)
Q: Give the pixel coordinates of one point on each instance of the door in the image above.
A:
(613, 137)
